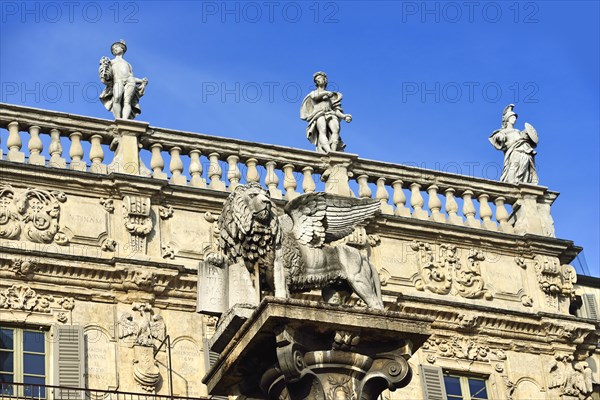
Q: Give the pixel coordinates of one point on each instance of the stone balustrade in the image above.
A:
(210, 162)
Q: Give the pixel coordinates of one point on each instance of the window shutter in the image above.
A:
(210, 357)
(432, 381)
(591, 308)
(69, 360)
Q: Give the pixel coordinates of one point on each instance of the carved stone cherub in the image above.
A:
(123, 91)
(301, 250)
(518, 147)
(322, 110)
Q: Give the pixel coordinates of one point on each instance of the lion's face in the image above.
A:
(258, 203)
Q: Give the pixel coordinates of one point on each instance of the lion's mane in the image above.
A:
(242, 237)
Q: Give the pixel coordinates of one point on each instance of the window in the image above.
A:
(22, 360)
(465, 387)
(444, 385)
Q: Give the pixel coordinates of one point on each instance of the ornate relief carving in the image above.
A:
(109, 244)
(168, 251)
(23, 297)
(146, 329)
(572, 380)
(34, 212)
(136, 215)
(447, 275)
(467, 321)
(108, 204)
(469, 282)
(463, 348)
(23, 268)
(555, 280)
(165, 212)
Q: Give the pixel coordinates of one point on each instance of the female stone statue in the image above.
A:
(518, 147)
(323, 111)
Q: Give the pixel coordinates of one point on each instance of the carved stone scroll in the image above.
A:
(33, 212)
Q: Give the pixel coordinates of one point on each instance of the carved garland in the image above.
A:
(34, 212)
(447, 275)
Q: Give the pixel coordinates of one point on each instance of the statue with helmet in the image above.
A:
(518, 147)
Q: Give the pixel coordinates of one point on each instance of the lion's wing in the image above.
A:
(320, 218)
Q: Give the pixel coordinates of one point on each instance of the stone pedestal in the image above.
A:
(300, 349)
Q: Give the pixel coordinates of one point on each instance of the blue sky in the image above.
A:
(426, 82)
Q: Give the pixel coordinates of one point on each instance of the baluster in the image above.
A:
(176, 167)
(364, 191)
(469, 210)
(452, 208)
(233, 172)
(196, 179)
(502, 215)
(399, 199)
(308, 183)
(35, 146)
(97, 155)
(157, 163)
(76, 152)
(417, 202)
(435, 204)
(14, 144)
(55, 149)
(289, 182)
(485, 212)
(272, 180)
(383, 196)
(215, 173)
(252, 173)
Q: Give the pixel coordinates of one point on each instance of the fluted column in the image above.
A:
(308, 183)
(35, 146)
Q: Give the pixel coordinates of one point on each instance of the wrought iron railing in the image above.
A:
(34, 392)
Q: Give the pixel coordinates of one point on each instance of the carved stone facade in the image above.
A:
(128, 259)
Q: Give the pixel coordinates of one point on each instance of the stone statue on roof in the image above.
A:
(518, 147)
(123, 91)
(322, 110)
